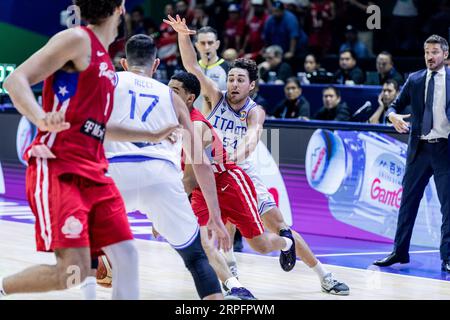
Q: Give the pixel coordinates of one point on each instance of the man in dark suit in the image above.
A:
(428, 93)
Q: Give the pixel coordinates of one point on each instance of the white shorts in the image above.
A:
(265, 198)
(155, 188)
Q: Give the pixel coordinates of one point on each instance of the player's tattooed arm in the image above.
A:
(67, 47)
(248, 144)
(209, 88)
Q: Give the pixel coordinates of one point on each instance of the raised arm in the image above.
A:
(255, 122)
(203, 172)
(189, 58)
(71, 45)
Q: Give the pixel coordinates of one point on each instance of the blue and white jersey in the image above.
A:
(232, 125)
(142, 103)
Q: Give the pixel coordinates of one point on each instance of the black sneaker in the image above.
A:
(288, 258)
(239, 294)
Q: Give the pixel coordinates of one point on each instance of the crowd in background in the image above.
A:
(290, 38)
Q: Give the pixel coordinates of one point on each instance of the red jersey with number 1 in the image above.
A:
(86, 98)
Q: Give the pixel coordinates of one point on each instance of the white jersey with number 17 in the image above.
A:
(142, 103)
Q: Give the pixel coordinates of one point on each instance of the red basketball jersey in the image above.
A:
(216, 152)
(87, 99)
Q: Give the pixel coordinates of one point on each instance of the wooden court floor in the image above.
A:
(164, 277)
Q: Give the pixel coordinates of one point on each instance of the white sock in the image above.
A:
(288, 244)
(88, 288)
(229, 256)
(2, 291)
(233, 282)
(320, 270)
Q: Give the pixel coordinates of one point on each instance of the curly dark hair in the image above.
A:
(248, 65)
(95, 11)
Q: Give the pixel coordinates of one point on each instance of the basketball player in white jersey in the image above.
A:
(240, 120)
(149, 175)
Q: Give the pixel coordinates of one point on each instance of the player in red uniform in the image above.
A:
(78, 209)
(235, 190)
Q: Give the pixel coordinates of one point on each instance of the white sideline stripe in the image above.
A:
(368, 253)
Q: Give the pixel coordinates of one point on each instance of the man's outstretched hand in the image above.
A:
(179, 25)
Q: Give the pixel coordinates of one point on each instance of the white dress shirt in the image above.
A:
(441, 125)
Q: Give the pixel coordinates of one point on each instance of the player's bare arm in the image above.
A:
(129, 134)
(189, 58)
(203, 172)
(66, 50)
(255, 122)
(203, 131)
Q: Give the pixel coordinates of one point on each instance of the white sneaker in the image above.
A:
(332, 286)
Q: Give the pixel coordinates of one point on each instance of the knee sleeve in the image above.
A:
(205, 278)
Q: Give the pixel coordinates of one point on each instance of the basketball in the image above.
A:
(104, 272)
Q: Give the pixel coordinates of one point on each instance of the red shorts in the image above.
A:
(72, 211)
(237, 201)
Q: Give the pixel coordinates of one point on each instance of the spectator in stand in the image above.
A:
(352, 43)
(404, 26)
(349, 73)
(386, 70)
(259, 99)
(137, 21)
(295, 106)
(388, 94)
(182, 9)
(314, 72)
(321, 16)
(167, 46)
(333, 108)
(439, 22)
(234, 28)
(218, 12)
(282, 29)
(229, 55)
(273, 69)
(201, 18)
(253, 41)
(311, 64)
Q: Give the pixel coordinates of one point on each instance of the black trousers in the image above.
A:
(431, 159)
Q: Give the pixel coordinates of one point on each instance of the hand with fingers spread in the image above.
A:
(53, 122)
(399, 123)
(179, 25)
(216, 229)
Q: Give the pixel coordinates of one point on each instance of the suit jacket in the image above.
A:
(413, 93)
